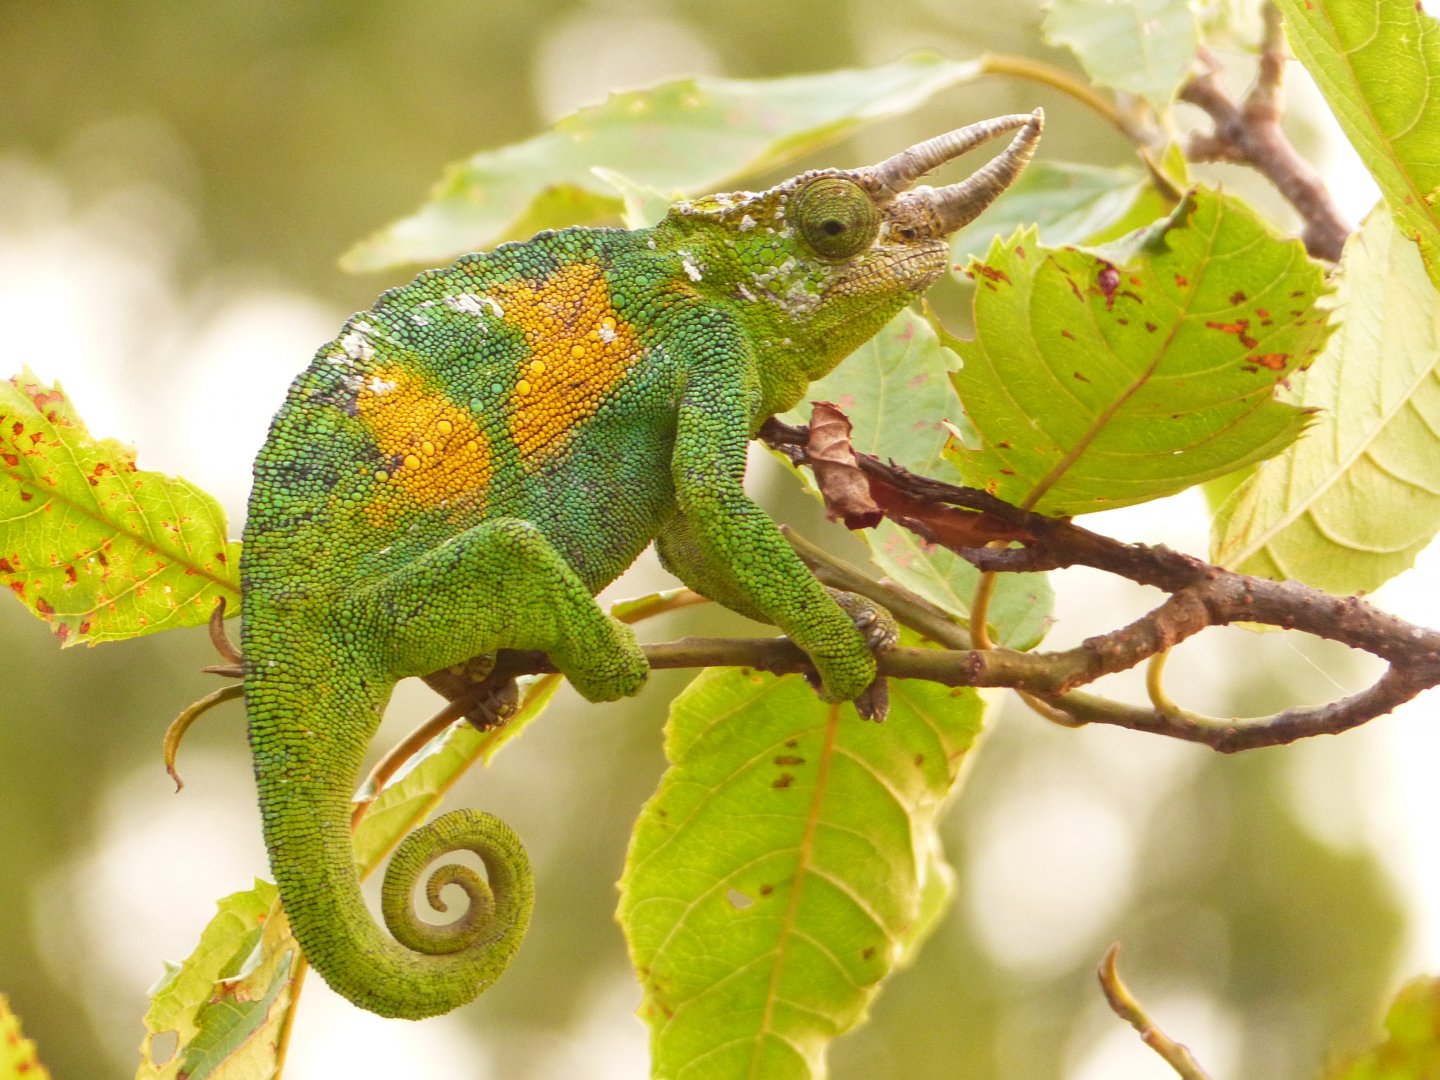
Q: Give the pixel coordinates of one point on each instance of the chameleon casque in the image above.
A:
(471, 460)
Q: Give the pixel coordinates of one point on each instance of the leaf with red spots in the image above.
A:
(688, 135)
(1102, 379)
(17, 1053)
(1353, 502)
(91, 544)
(786, 866)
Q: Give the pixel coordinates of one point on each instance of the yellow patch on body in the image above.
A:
(440, 452)
(580, 349)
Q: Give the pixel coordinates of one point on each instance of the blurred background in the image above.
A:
(176, 183)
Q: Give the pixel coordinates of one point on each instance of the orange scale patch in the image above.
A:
(579, 350)
(438, 452)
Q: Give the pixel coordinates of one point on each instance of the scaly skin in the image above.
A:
(471, 460)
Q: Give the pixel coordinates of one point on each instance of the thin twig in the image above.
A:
(1250, 133)
(1125, 1006)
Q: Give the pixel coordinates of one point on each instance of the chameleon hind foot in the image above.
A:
(881, 634)
(490, 697)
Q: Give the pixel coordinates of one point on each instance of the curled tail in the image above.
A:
(309, 728)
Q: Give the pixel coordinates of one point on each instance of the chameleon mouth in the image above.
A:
(929, 213)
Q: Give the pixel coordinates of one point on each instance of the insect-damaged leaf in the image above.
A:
(1104, 378)
(1354, 501)
(785, 866)
(17, 1053)
(217, 1016)
(90, 543)
(689, 135)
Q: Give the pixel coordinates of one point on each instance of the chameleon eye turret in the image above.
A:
(836, 217)
(469, 462)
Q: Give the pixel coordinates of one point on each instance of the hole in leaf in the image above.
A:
(739, 900)
(163, 1046)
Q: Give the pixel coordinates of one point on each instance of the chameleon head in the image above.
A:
(827, 257)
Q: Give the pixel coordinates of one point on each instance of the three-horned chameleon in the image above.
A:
(472, 459)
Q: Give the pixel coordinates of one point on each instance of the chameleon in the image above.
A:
(471, 460)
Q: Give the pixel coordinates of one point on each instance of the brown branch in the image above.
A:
(1250, 133)
(1201, 596)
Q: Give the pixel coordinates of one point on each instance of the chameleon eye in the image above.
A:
(835, 217)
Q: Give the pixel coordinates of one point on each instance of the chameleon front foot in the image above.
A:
(881, 633)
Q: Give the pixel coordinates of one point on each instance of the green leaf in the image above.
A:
(218, 1015)
(1069, 204)
(1378, 65)
(1411, 1048)
(1353, 502)
(1143, 47)
(784, 868)
(689, 135)
(895, 389)
(1099, 380)
(17, 1053)
(90, 543)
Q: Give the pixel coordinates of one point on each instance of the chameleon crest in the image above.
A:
(471, 460)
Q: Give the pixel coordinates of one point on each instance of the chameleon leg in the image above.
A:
(682, 553)
(502, 585)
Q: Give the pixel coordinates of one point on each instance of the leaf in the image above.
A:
(1069, 204)
(895, 390)
(1411, 1048)
(17, 1053)
(1378, 64)
(90, 543)
(1143, 47)
(689, 135)
(784, 867)
(1353, 502)
(1102, 379)
(217, 1016)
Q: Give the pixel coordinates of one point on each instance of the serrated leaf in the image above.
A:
(1353, 502)
(90, 543)
(783, 868)
(689, 135)
(18, 1060)
(1378, 64)
(1411, 1047)
(895, 389)
(1099, 380)
(1068, 203)
(1143, 47)
(217, 1016)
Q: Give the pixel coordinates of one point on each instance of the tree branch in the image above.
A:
(1250, 133)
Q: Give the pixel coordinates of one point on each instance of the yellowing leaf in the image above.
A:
(92, 544)
(1378, 64)
(1355, 500)
(689, 135)
(785, 866)
(1102, 379)
(17, 1053)
(218, 1015)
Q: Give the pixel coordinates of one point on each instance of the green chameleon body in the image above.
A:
(470, 461)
